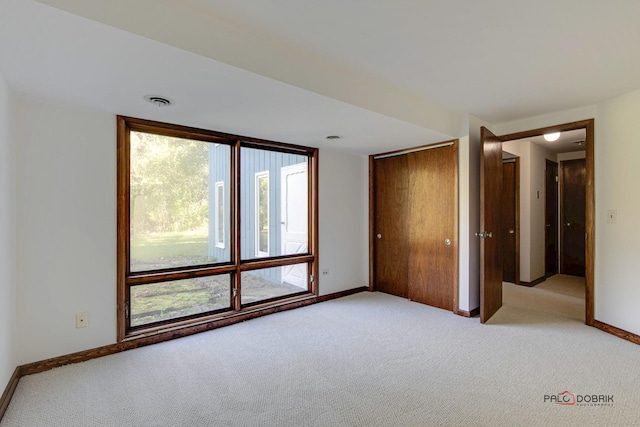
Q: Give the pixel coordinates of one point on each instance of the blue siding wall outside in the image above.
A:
(252, 161)
(219, 155)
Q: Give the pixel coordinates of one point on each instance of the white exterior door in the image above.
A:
(294, 220)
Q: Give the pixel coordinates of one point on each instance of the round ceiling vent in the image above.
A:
(158, 101)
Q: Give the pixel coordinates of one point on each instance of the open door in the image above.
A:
(490, 224)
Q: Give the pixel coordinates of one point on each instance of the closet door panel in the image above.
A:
(432, 255)
(391, 238)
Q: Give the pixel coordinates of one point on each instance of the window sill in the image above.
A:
(192, 326)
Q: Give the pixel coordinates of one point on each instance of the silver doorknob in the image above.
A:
(568, 224)
(548, 225)
(484, 234)
(379, 236)
(511, 231)
(447, 242)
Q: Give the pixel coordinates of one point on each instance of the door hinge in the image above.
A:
(311, 277)
(556, 178)
(235, 292)
(126, 310)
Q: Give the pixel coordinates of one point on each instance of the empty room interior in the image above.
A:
(319, 213)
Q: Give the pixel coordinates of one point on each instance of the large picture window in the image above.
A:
(210, 225)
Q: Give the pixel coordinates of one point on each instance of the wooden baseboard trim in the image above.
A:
(469, 314)
(323, 298)
(8, 391)
(535, 282)
(94, 353)
(82, 356)
(620, 333)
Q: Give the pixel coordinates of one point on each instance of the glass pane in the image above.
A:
(273, 205)
(267, 283)
(179, 298)
(172, 182)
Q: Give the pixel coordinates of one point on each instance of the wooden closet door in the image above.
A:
(431, 223)
(391, 183)
(415, 241)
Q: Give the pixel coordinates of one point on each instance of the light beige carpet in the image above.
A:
(366, 360)
(567, 285)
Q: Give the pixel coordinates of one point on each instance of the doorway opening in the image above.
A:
(557, 205)
(553, 181)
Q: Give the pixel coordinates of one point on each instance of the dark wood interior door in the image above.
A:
(431, 222)
(509, 249)
(391, 181)
(572, 257)
(490, 216)
(551, 219)
(415, 241)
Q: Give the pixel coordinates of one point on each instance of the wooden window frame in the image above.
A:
(237, 312)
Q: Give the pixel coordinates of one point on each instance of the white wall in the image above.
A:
(464, 224)
(523, 150)
(617, 150)
(343, 225)
(538, 165)
(67, 227)
(469, 215)
(8, 239)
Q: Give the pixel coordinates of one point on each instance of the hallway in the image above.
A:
(559, 299)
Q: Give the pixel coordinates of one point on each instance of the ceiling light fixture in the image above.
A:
(552, 136)
(332, 137)
(158, 101)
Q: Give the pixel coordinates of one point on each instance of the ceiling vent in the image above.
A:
(158, 101)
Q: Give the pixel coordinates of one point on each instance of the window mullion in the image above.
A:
(235, 215)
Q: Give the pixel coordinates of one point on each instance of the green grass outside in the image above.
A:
(159, 301)
(146, 248)
(169, 300)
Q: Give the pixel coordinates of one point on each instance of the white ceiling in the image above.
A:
(569, 141)
(499, 60)
(385, 75)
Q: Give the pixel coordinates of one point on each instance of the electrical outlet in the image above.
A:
(82, 320)
(325, 272)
